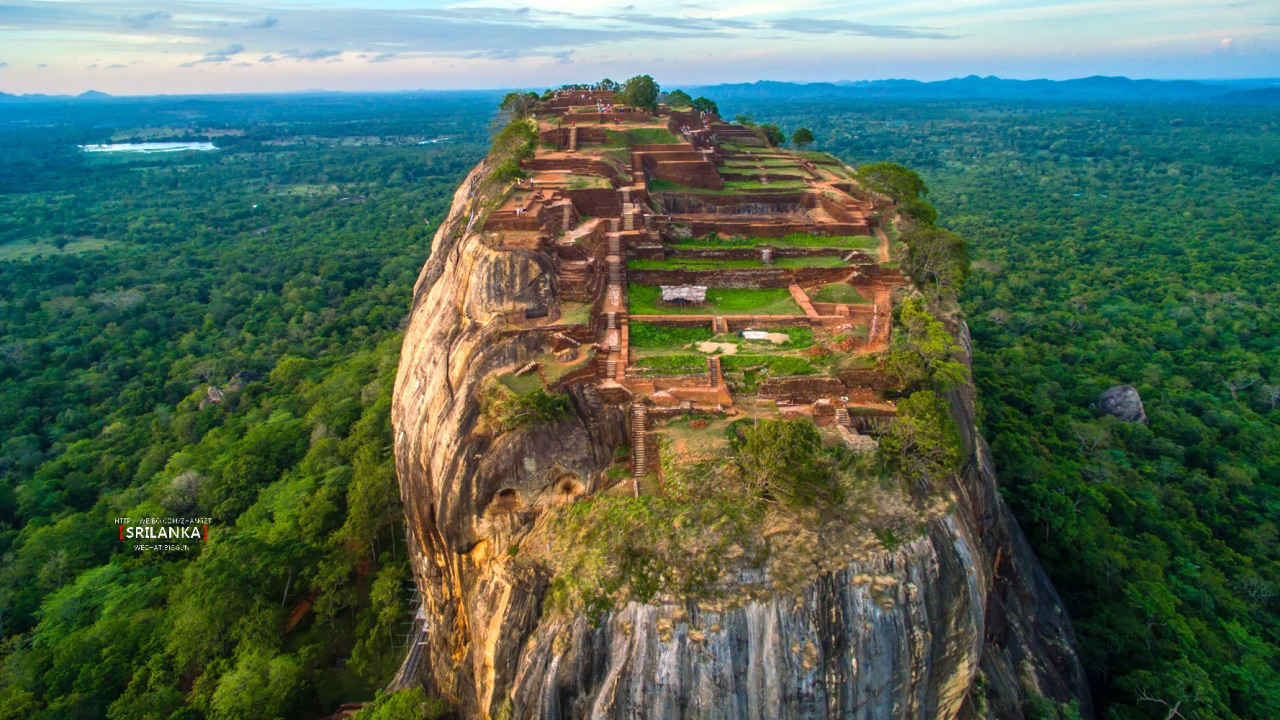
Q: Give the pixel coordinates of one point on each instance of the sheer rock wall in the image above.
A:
(905, 635)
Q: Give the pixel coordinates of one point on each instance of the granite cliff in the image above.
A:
(953, 619)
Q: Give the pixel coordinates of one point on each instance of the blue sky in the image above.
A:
(199, 46)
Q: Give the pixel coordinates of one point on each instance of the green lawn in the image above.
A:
(640, 136)
(660, 185)
(838, 293)
(586, 182)
(769, 162)
(820, 158)
(844, 242)
(646, 300)
(676, 263)
(800, 337)
(643, 335)
(776, 365)
(575, 313)
(816, 261)
(523, 384)
(555, 370)
(674, 364)
(755, 185)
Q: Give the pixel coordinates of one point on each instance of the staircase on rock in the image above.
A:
(639, 450)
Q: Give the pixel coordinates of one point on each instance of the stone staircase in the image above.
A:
(713, 371)
(573, 138)
(842, 417)
(639, 446)
(574, 283)
(615, 271)
(719, 326)
(611, 320)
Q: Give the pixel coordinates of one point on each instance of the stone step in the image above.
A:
(639, 450)
(713, 371)
(842, 417)
(611, 368)
(611, 318)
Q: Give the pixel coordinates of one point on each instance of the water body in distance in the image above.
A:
(149, 147)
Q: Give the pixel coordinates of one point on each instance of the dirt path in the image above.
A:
(884, 244)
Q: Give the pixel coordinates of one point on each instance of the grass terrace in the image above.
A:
(645, 336)
(647, 300)
(649, 340)
(657, 185)
(815, 261)
(737, 161)
(798, 240)
(770, 365)
(757, 185)
(575, 313)
(640, 136)
(673, 364)
(523, 384)
(586, 182)
(838, 293)
(677, 263)
(554, 369)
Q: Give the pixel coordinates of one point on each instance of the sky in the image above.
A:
(127, 47)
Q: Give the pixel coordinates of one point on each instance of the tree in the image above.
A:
(1271, 395)
(607, 84)
(923, 352)
(517, 106)
(743, 119)
(782, 461)
(703, 105)
(641, 92)
(412, 704)
(802, 138)
(258, 687)
(773, 134)
(937, 259)
(892, 179)
(679, 99)
(924, 442)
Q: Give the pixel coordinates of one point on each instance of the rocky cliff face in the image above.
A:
(960, 622)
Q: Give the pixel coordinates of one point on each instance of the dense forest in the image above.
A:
(1117, 244)
(210, 335)
(215, 334)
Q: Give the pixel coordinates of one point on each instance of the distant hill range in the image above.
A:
(1089, 89)
(37, 97)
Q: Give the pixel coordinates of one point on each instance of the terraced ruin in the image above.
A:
(675, 438)
(699, 271)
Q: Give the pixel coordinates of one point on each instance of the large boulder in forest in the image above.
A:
(1123, 402)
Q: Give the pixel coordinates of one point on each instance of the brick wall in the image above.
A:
(596, 202)
(801, 389)
(689, 173)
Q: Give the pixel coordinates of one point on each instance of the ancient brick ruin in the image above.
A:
(629, 202)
